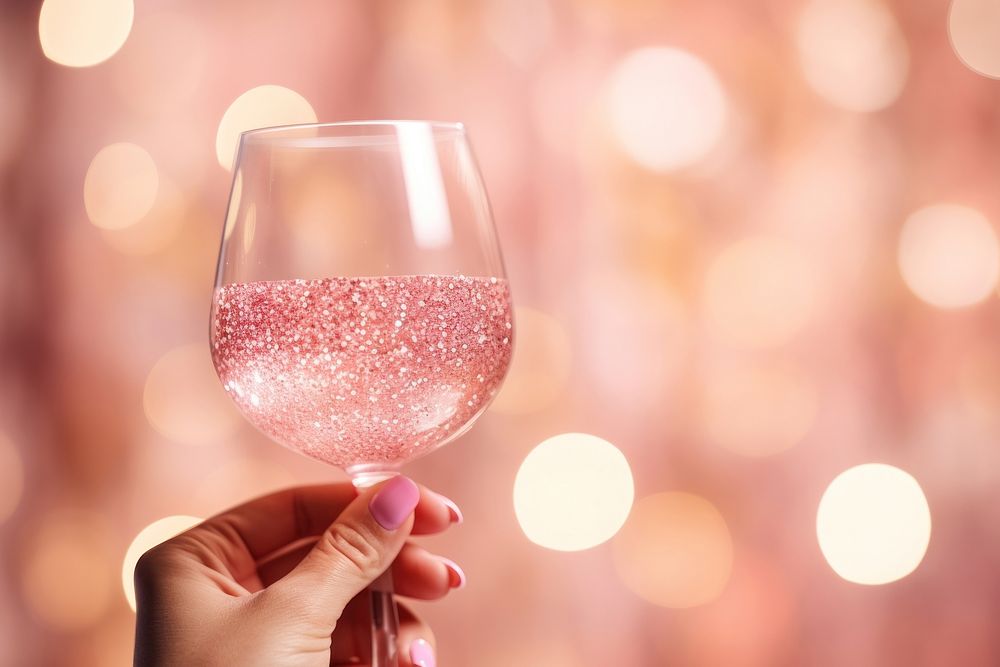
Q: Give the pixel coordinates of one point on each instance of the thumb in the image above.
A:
(358, 547)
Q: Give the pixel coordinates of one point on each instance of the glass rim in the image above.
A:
(352, 128)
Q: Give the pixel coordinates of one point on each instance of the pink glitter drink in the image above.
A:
(359, 371)
(361, 313)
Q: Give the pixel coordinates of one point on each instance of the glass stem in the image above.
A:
(385, 616)
(385, 622)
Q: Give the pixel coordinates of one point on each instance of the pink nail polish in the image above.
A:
(456, 575)
(421, 654)
(456, 514)
(394, 502)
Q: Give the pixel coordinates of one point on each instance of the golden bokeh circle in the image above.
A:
(67, 574)
(973, 27)
(540, 367)
(667, 108)
(759, 292)
(949, 255)
(572, 492)
(155, 533)
(873, 524)
(263, 106)
(120, 186)
(184, 400)
(675, 550)
(81, 33)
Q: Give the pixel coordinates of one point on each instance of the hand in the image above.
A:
(270, 582)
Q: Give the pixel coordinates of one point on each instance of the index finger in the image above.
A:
(271, 522)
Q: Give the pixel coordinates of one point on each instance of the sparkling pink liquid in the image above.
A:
(363, 371)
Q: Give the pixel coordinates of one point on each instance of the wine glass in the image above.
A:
(361, 313)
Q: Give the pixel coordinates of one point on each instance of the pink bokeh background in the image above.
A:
(748, 382)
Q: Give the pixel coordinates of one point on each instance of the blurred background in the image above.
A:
(753, 249)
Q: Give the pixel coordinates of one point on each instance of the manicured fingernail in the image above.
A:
(421, 654)
(456, 514)
(456, 575)
(394, 502)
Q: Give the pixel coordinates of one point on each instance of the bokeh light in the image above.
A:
(675, 550)
(81, 34)
(974, 28)
(540, 367)
(949, 255)
(155, 533)
(184, 399)
(263, 106)
(702, 209)
(873, 524)
(852, 53)
(157, 228)
(759, 292)
(757, 409)
(67, 572)
(120, 186)
(572, 492)
(667, 108)
(11, 477)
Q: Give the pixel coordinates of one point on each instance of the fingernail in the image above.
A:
(456, 575)
(456, 514)
(421, 654)
(394, 502)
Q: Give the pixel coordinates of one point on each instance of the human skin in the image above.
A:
(271, 582)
